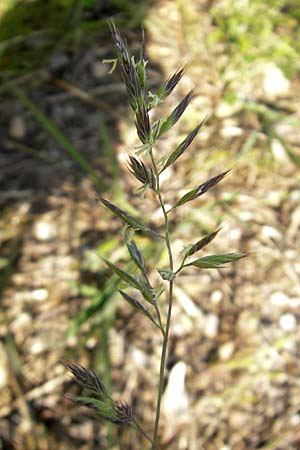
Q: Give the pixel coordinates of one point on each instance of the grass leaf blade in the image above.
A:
(132, 221)
(200, 190)
(216, 261)
(125, 276)
(137, 256)
(183, 146)
(191, 249)
(139, 307)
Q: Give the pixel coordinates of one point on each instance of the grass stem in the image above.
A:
(169, 314)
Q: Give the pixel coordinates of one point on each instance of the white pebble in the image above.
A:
(234, 234)
(279, 299)
(288, 322)
(22, 322)
(210, 325)
(139, 358)
(270, 232)
(91, 342)
(295, 420)
(279, 152)
(37, 347)
(175, 399)
(39, 295)
(216, 296)
(238, 419)
(226, 351)
(275, 83)
(226, 109)
(3, 368)
(44, 231)
(187, 304)
(17, 127)
(231, 131)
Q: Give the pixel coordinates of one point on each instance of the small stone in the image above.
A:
(17, 127)
(187, 304)
(175, 399)
(245, 216)
(226, 351)
(99, 69)
(216, 296)
(116, 346)
(275, 84)
(247, 324)
(44, 230)
(37, 347)
(91, 342)
(3, 368)
(72, 341)
(295, 195)
(238, 419)
(39, 295)
(139, 358)
(270, 233)
(21, 323)
(279, 299)
(288, 322)
(226, 109)
(234, 234)
(82, 430)
(273, 198)
(230, 131)
(210, 325)
(279, 152)
(295, 420)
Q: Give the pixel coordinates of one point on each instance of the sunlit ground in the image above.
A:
(235, 332)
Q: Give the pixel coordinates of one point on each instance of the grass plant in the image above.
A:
(147, 167)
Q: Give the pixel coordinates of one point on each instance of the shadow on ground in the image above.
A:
(60, 109)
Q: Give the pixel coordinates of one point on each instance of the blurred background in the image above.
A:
(65, 130)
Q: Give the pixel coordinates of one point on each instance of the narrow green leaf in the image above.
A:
(162, 126)
(193, 248)
(171, 83)
(142, 73)
(216, 261)
(123, 275)
(138, 306)
(293, 157)
(183, 146)
(191, 195)
(200, 190)
(137, 256)
(132, 221)
(140, 285)
(166, 89)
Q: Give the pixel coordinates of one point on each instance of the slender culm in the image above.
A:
(147, 168)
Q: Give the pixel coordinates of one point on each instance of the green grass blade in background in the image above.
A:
(59, 136)
(108, 148)
(103, 306)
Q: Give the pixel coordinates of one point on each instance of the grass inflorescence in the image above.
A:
(147, 168)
